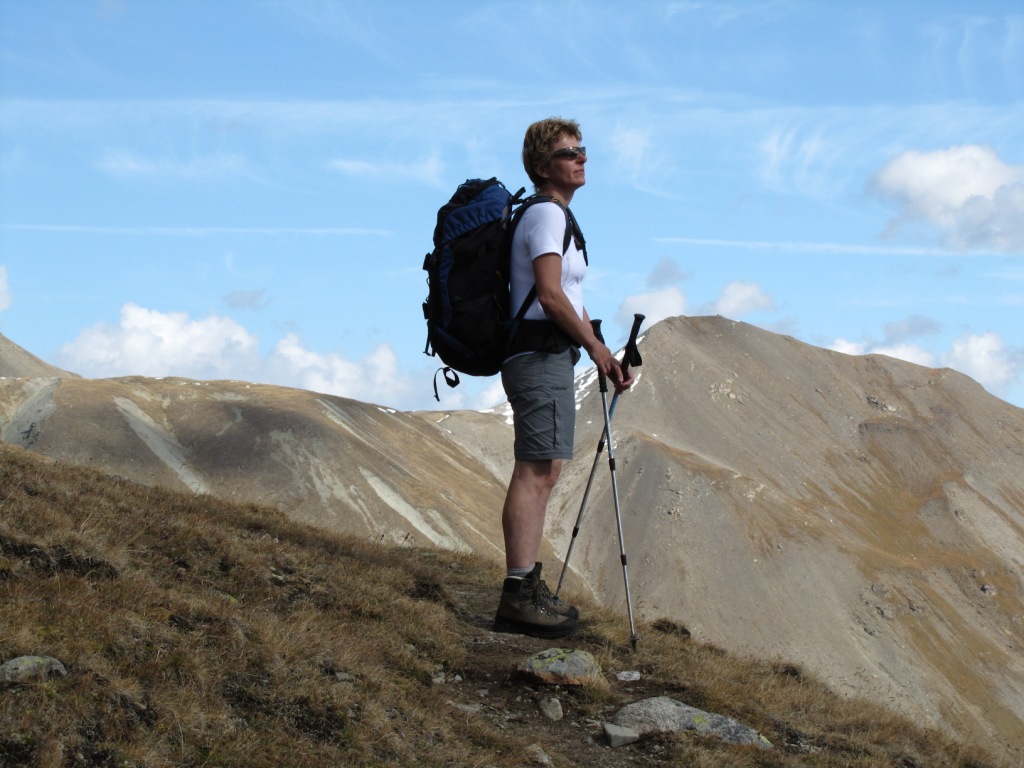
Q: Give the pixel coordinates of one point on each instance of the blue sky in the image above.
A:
(246, 190)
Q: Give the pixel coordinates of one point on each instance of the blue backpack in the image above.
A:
(469, 322)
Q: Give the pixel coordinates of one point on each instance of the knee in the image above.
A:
(541, 475)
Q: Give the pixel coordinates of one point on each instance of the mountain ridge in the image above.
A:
(860, 515)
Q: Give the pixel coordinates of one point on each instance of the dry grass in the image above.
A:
(201, 633)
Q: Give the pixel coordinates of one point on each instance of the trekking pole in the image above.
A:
(630, 357)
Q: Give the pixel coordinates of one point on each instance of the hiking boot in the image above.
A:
(557, 603)
(524, 610)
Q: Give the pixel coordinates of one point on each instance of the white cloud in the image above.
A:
(654, 305)
(147, 342)
(911, 353)
(986, 359)
(377, 378)
(971, 196)
(849, 347)
(491, 396)
(151, 343)
(6, 298)
(740, 297)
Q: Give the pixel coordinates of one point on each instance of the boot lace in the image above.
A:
(543, 595)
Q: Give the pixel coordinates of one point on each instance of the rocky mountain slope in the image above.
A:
(15, 362)
(858, 515)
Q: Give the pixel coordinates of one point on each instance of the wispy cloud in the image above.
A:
(254, 300)
(910, 327)
(429, 171)
(127, 164)
(196, 231)
(798, 247)
(352, 24)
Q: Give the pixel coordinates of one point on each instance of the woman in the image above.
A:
(538, 376)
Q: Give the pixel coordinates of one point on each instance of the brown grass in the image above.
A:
(201, 633)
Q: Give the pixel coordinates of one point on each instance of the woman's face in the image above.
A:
(565, 171)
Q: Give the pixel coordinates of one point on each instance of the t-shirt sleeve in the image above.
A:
(544, 225)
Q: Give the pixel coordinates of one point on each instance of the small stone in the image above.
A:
(628, 677)
(620, 736)
(551, 708)
(537, 755)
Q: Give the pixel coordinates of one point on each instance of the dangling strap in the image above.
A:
(450, 376)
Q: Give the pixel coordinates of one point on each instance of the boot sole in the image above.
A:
(511, 626)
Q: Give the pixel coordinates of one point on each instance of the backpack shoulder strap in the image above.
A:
(572, 231)
(572, 227)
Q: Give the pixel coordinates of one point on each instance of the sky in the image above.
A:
(247, 189)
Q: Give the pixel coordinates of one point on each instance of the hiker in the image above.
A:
(538, 373)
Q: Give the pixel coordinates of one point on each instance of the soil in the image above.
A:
(488, 687)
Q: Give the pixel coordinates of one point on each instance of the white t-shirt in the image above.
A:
(541, 230)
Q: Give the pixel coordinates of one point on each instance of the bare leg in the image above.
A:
(526, 502)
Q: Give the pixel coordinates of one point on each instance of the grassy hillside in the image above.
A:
(200, 633)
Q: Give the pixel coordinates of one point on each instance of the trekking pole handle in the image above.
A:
(631, 355)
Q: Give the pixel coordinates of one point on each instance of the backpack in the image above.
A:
(469, 323)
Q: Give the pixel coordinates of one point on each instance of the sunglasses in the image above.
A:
(570, 153)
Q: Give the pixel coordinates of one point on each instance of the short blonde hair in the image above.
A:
(539, 140)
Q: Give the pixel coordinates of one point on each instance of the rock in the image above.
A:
(620, 736)
(551, 708)
(26, 668)
(560, 666)
(537, 755)
(664, 715)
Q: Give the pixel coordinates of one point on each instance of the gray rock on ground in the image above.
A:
(664, 715)
(25, 668)
(562, 666)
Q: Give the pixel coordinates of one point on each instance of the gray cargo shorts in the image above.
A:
(539, 387)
